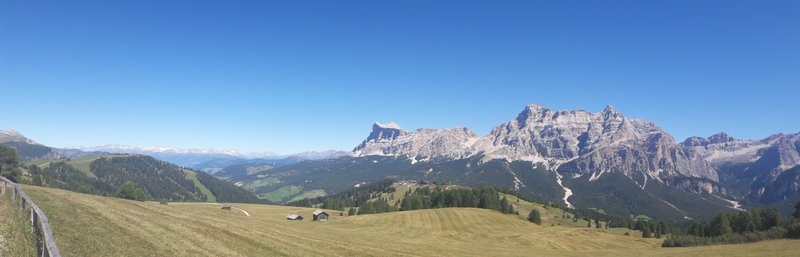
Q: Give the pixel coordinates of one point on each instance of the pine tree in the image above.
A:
(588, 223)
(796, 213)
(596, 222)
(646, 231)
(721, 225)
(351, 211)
(9, 163)
(505, 207)
(129, 191)
(535, 217)
(37, 180)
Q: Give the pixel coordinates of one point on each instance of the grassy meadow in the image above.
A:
(88, 225)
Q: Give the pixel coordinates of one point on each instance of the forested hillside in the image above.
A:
(369, 198)
(156, 180)
(226, 192)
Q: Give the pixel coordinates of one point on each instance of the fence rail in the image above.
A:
(45, 242)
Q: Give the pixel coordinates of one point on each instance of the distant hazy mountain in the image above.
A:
(14, 136)
(180, 156)
(205, 159)
(28, 149)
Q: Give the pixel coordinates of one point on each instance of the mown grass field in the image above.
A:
(87, 225)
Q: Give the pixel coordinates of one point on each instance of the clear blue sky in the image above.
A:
(288, 77)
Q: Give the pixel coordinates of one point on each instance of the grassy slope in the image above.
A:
(15, 229)
(82, 164)
(260, 183)
(282, 193)
(550, 215)
(203, 189)
(87, 225)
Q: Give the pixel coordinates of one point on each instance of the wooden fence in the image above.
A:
(45, 242)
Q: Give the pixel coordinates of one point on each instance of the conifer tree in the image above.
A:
(535, 216)
(796, 213)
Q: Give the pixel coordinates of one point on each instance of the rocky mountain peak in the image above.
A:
(590, 141)
(13, 135)
(721, 137)
(386, 131)
(425, 143)
(531, 113)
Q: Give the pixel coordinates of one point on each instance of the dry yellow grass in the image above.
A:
(87, 225)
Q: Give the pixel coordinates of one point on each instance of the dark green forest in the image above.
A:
(743, 227)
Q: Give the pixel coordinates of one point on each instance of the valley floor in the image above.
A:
(88, 225)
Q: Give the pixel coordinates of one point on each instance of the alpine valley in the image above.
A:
(603, 161)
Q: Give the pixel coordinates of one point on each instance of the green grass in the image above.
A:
(203, 189)
(309, 194)
(260, 183)
(255, 169)
(191, 175)
(88, 225)
(282, 193)
(550, 215)
(15, 229)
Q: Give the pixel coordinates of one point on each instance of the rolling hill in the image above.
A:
(117, 227)
(159, 180)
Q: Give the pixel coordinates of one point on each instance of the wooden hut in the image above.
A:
(226, 207)
(320, 215)
(294, 217)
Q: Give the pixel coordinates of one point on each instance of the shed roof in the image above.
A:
(292, 216)
(318, 212)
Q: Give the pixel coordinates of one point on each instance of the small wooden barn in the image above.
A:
(294, 217)
(226, 207)
(320, 215)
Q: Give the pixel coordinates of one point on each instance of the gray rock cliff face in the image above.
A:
(421, 144)
(590, 143)
(584, 142)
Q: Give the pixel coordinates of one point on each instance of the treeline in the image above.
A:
(431, 198)
(743, 227)
(227, 192)
(349, 198)
(64, 176)
(159, 180)
(367, 199)
(651, 228)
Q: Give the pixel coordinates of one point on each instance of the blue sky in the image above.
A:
(289, 77)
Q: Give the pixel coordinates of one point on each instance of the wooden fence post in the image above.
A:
(45, 241)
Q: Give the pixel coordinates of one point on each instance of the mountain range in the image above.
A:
(602, 160)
